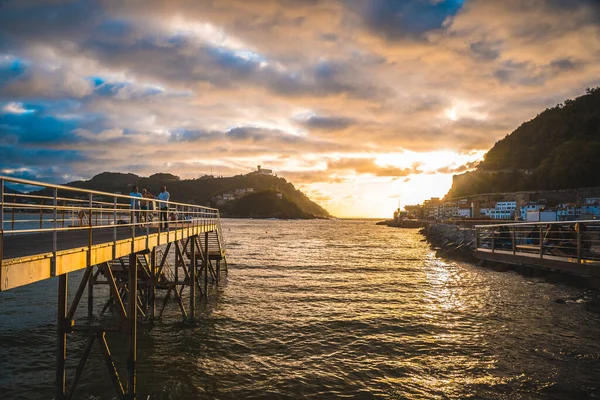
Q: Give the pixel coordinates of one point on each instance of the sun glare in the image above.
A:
(462, 109)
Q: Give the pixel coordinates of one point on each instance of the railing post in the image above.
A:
(115, 223)
(1, 222)
(41, 212)
(514, 240)
(54, 234)
(578, 244)
(90, 235)
(541, 243)
(12, 216)
(493, 239)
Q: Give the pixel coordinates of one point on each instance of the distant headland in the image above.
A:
(258, 194)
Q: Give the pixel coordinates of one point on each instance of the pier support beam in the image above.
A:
(192, 271)
(205, 266)
(132, 330)
(61, 338)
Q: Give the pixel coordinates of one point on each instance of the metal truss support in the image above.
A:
(133, 285)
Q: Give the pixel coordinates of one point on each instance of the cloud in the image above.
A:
(314, 89)
(369, 166)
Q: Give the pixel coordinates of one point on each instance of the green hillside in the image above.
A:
(202, 190)
(558, 149)
(265, 204)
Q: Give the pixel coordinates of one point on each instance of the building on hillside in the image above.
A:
(530, 206)
(568, 212)
(506, 206)
(448, 210)
(263, 171)
(592, 201)
(502, 210)
(218, 200)
(485, 211)
(432, 208)
(464, 211)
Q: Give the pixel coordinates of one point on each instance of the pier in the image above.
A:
(566, 246)
(50, 231)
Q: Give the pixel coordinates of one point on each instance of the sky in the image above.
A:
(364, 105)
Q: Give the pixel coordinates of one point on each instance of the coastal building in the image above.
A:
(530, 206)
(228, 196)
(464, 211)
(415, 211)
(500, 210)
(541, 216)
(432, 208)
(568, 212)
(448, 210)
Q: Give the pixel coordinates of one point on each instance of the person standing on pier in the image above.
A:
(146, 215)
(135, 205)
(164, 206)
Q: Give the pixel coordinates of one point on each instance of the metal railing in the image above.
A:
(58, 209)
(573, 241)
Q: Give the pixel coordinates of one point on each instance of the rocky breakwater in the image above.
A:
(451, 241)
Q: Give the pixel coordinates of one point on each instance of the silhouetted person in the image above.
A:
(164, 206)
(145, 205)
(135, 205)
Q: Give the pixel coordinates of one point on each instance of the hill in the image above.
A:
(294, 203)
(265, 204)
(558, 149)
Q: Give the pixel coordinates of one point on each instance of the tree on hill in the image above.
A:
(558, 149)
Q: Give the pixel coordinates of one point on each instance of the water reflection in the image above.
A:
(342, 309)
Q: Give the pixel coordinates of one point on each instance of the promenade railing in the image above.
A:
(573, 241)
(31, 207)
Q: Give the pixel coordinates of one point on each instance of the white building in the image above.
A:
(530, 206)
(263, 171)
(448, 210)
(502, 210)
(464, 211)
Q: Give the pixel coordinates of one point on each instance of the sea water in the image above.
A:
(330, 309)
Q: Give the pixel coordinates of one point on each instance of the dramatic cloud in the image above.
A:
(341, 97)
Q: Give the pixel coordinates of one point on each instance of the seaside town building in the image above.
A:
(231, 196)
(521, 209)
